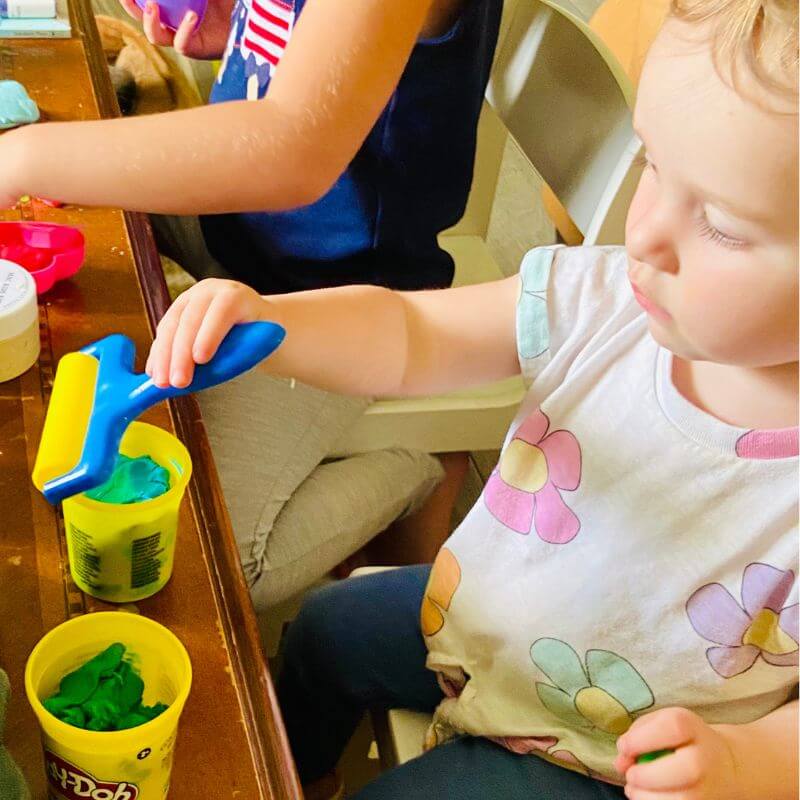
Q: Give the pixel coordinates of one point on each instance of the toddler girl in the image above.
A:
(627, 581)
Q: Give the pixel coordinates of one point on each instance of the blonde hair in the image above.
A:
(759, 34)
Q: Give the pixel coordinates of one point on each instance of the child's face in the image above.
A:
(712, 232)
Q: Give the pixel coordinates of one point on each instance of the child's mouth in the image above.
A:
(649, 306)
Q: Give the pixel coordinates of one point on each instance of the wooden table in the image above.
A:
(231, 742)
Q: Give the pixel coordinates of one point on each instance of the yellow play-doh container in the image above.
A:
(123, 553)
(133, 764)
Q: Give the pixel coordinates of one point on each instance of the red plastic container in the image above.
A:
(49, 252)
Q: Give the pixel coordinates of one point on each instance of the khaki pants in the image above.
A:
(295, 513)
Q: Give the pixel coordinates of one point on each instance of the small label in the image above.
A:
(13, 285)
(146, 560)
(73, 783)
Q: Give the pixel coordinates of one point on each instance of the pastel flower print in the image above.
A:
(533, 328)
(524, 491)
(442, 584)
(763, 625)
(605, 695)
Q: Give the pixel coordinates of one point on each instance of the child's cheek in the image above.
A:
(726, 312)
(710, 311)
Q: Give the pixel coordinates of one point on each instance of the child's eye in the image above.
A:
(711, 233)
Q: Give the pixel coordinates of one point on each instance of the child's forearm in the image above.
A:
(366, 340)
(765, 752)
(281, 152)
(224, 158)
(351, 340)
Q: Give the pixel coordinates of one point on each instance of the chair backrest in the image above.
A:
(561, 95)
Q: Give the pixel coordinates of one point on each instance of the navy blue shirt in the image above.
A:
(409, 181)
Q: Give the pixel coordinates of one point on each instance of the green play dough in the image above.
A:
(16, 107)
(646, 758)
(133, 480)
(105, 694)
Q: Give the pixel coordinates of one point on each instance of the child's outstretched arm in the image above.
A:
(286, 150)
(711, 762)
(358, 340)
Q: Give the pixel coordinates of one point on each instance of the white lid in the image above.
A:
(18, 307)
(37, 9)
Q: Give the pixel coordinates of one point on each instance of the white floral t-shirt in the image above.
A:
(629, 552)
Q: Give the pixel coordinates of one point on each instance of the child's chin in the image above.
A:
(669, 340)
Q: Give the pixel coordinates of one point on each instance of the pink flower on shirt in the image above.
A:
(525, 488)
(762, 626)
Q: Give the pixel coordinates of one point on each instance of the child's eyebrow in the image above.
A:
(752, 215)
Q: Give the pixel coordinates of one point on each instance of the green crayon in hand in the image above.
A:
(646, 758)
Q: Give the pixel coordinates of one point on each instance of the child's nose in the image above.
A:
(649, 239)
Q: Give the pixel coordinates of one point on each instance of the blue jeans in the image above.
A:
(356, 645)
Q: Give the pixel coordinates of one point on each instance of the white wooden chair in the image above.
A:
(560, 95)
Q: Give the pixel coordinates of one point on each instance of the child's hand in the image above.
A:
(702, 767)
(204, 41)
(195, 325)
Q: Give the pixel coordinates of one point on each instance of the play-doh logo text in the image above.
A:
(73, 783)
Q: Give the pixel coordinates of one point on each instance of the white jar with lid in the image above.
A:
(19, 321)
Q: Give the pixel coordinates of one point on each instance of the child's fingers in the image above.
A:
(680, 770)
(132, 9)
(646, 794)
(161, 350)
(623, 763)
(666, 729)
(221, 317)
(154, 357)
(181, 366)
(185, 32)
(153, 29)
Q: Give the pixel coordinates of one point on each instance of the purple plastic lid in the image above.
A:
(172, 12)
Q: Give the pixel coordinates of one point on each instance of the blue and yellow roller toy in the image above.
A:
(96, 394)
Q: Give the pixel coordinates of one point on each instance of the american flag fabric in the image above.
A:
(267, 30)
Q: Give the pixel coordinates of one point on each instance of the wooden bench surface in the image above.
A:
(231, 742)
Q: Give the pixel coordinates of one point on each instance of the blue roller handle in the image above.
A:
(245, 346)
(121, 395)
